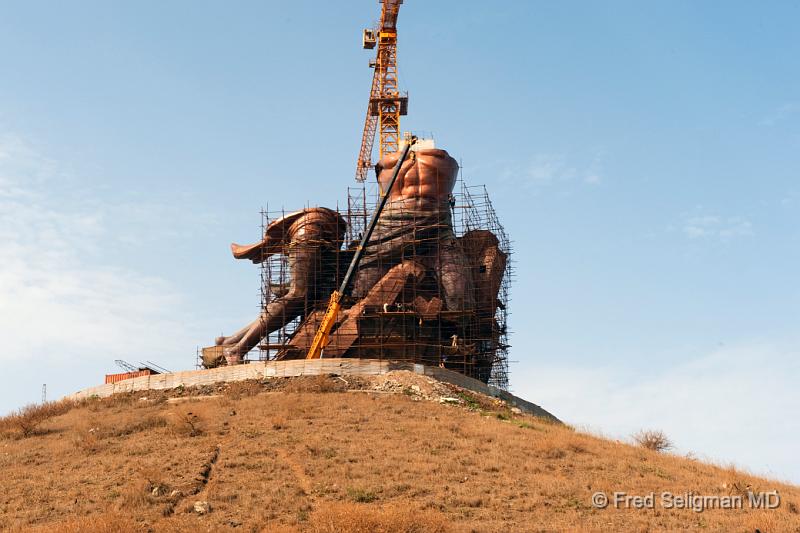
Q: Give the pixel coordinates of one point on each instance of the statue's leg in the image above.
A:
(279, 312)
(453, 271)
(367, 277)
(235, 337)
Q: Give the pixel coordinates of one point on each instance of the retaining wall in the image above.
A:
(303, 367)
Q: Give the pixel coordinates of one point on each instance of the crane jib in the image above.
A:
(386, 102)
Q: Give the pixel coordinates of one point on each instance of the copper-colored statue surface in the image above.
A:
(417, 222)
(308, 238)
(420, 292)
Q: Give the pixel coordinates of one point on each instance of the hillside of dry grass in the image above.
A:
(391, 453)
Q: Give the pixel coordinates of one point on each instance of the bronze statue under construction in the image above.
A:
(420, 292)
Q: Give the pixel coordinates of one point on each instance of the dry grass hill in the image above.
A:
(397, 452)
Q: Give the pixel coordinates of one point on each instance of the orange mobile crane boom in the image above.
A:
(322, 337)
(386, 103)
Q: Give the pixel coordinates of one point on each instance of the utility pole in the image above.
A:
(44, 393)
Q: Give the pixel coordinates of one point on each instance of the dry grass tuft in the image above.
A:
(135, 496)
(105, 523)
(362, 495)
(188, 421)
(145, 423)
(145, 490)
(278, 422)
(653, 440)
(395, 518)
(27, 421)
(118, 401)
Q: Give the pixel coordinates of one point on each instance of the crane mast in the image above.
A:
(386, 103)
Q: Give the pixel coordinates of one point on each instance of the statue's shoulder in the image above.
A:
(320, 216)
(436, 157)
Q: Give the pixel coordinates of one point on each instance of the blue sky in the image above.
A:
(643, 158)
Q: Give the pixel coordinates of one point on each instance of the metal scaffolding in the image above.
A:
(411, 304)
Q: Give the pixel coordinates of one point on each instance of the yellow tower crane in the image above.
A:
(386, 103)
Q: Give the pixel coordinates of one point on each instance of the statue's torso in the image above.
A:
(425, 180)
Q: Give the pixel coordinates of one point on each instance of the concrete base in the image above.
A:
(303, 367)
